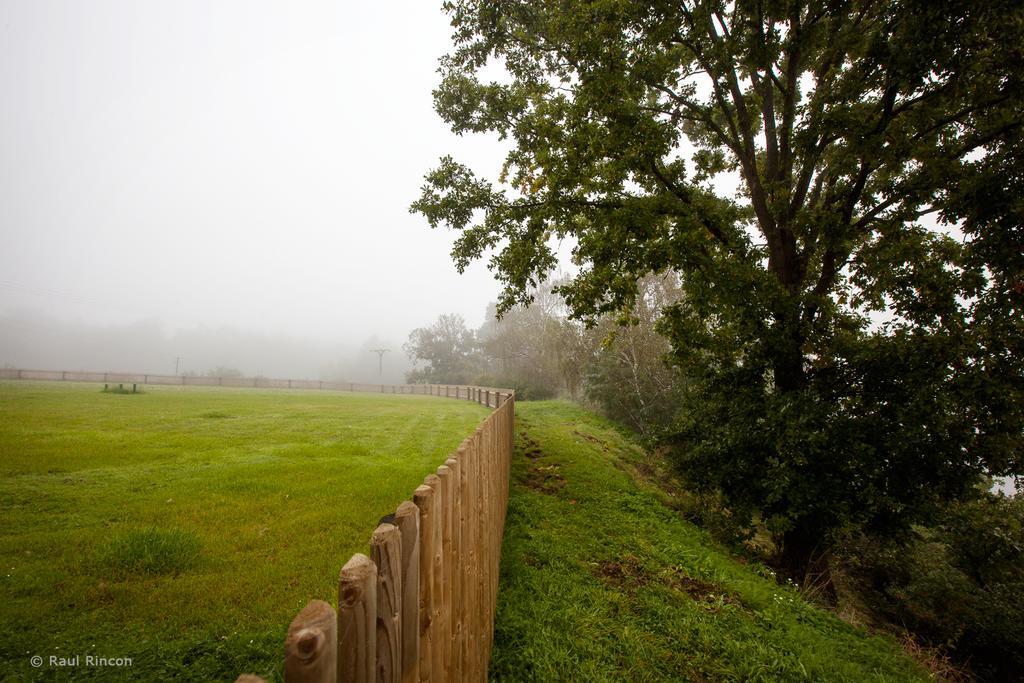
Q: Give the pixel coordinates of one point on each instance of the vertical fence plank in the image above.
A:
(357, 620)
(492, 507)
(482, 531)
(487, 503)
(423, 497)
(445, 613)
(386, 552)
(456, 581)
(466, 561)
(407, 518)
(494, 537)
(311, 648)
(476, 524)
(437, 581)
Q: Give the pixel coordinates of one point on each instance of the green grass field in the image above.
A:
(185, 527)
(603, 581)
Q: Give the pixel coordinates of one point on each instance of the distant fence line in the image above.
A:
(488, 396)
(421, 606)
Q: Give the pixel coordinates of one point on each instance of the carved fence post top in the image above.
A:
(406, 508)
(358, 567)
(311, 644)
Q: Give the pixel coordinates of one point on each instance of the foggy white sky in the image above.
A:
(229, 163)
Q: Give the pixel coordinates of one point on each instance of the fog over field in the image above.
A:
(223, 182)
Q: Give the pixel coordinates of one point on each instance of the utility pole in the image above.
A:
(380, 359)
(177, 361)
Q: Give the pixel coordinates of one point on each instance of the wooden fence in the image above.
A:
(420, 606)
(489, 396)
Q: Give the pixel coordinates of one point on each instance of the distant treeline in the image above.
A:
(543, 353)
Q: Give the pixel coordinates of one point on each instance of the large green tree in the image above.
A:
(850, 324)
(445, 352)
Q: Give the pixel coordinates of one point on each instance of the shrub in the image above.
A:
(957, 585)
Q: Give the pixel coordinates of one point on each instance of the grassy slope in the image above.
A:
(603, 582)
(185, 527)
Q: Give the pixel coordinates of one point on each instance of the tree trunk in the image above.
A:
(787, 339)
(804, 558)
(788, 364)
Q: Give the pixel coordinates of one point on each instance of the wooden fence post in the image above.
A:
(437, 581)
(487, 531)
(311, 654)
(447, 505)
(423, 497)
(496, 517)
(407, 519)
(386, 552)
(357, 620)
(471, 558)
(459, 567)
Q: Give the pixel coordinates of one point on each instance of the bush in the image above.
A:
(958, 585)
(526, 390)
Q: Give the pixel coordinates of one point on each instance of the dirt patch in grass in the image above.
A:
(530, 447)
(533, 453)
(546, 479)
(629, 572)
(592, 439)
(654, 471)
(532, 560)
(624, 572)
(700, 590)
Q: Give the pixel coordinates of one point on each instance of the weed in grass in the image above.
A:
(149, 551)
(215, 415)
